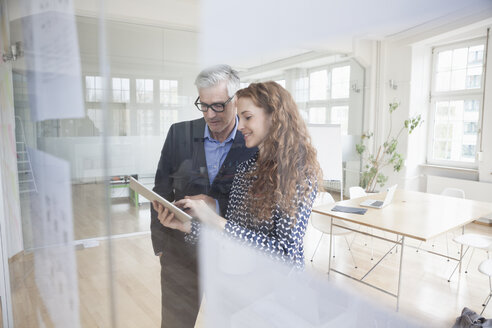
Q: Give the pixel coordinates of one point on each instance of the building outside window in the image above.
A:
(456, 101)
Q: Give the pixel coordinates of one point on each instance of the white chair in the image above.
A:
(323, 224)
(473, 241)
(356, 192)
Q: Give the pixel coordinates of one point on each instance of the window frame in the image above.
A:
(453, 95)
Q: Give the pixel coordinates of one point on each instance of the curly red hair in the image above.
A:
(287, 160)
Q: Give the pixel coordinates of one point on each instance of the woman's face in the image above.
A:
(254, 122)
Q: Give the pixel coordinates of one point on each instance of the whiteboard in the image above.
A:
(327, 139)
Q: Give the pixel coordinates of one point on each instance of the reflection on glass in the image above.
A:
(167, 118)
(144, 90)
(93, 88)
(145, 122)
(168, 92)
(121, 90)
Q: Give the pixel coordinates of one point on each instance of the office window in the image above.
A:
(120, 122)
(456, 97)
(168, 92)
(318, 85)
(93, 89)
(95, 115)
(301, 89)
(121, 90)
(145, 122)
(145, 91)
(167, 118)
(340, 82)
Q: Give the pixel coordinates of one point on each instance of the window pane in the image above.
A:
(444, 61)
(89, 82)
(475, 55)
(301, 89)
(169, 92)
(474, 77)
(340, 77)
(145, 122)
(116, 84)
(317, 115)
(460, 58)
(318, 82)
(442, 81)
(458, 79)
(167, 118)
(456, 130)
(149, 85)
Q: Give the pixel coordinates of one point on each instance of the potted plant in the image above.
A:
(386, 154)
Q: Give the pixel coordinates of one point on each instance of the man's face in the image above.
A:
(218, 123)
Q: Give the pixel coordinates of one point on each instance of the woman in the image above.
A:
(273, 192)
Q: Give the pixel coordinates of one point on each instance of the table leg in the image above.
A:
(399, 274)
(331, 243)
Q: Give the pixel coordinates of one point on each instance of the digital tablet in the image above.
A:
(150, 195)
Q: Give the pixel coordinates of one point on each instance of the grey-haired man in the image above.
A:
(198, 160)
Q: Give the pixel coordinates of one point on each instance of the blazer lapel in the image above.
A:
(199, 159)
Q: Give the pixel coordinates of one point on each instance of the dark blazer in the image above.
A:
(182, 171)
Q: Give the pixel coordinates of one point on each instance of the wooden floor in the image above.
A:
(426, 295)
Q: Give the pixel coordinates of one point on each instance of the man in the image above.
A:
(198, 160)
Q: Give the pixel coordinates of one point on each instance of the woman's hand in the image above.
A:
(198, 208)
(167, 218)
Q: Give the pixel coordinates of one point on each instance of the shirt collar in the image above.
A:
(231, 136)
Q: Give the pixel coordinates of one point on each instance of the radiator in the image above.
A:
(476, 190)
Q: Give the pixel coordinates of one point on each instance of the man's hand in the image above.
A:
(167, 218)
(207, 199)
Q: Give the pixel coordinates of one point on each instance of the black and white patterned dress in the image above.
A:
(278, 237)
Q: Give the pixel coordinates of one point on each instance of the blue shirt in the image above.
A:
(216, 152)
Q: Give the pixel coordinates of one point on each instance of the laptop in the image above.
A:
(380, 204)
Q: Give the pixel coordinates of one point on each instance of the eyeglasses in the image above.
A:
(216, 107)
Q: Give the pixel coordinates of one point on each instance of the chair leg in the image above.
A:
(418, 247)
(487, 299)
(372, 245)
(459, 262)
(353, 259)
(321, 237)
(333, 246)
(466, 270)
(447, 246)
